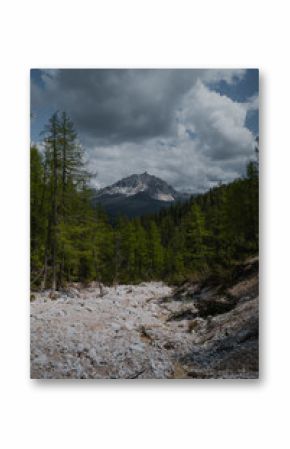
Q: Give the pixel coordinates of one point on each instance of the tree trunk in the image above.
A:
(63, 205)
(55, 187)
(43, 282)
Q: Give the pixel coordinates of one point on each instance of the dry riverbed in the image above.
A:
(141, 331)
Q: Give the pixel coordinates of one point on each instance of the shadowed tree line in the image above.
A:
(73, 241)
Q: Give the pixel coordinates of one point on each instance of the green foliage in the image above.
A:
(73, 241)
(156, 251)
(195, 233)
(37, 208)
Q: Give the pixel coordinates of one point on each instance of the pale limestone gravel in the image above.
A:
(124, 334)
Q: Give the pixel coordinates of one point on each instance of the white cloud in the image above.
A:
(253, 103)
(218, 122)
(211, 144)
(190, 135)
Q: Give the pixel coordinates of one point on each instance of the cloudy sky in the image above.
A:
(192, 128)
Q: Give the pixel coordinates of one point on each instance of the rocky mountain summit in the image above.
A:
(156, 188)
(137, 194)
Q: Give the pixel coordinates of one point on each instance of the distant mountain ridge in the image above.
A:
(155, 187)
(137, 195)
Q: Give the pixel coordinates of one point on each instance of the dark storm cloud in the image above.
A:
(116, 105)
(172, 123)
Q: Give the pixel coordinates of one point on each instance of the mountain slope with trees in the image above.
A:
(71, 240)
(137, 195)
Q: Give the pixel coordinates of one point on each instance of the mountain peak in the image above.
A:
(134, 184)
(136, 195)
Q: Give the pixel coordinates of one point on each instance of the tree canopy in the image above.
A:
(71, 240)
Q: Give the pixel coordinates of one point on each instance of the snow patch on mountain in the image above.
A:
(163, 197)
(126, 190)
(154, 187)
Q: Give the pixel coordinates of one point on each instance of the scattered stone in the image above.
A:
(196, 324)
(145, 332)
(89, 309)
(54, 295)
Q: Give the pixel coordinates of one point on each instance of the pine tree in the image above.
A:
(37, 214)
(156, 252)
(175, 256)
(67, 198)
(73, 173)
(52, 154)
(195, 233)
(141, 256)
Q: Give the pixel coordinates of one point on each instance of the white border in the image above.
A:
(169, 414)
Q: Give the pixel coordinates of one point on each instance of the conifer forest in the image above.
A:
(144, 233)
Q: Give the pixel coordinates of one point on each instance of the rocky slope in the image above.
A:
(155, 188)
(147, 331)
(137, 195)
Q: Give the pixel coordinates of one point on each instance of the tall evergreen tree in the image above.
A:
(156, 252)
(195, 233)
(52, 154)
(65, 184)
(37, 214)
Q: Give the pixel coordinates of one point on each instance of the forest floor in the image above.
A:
(146, 331)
